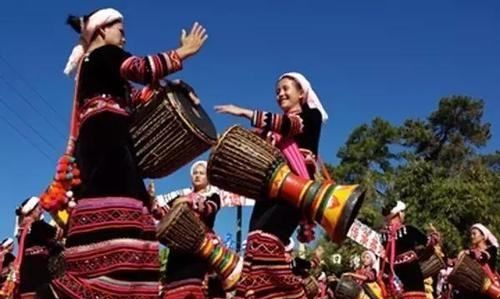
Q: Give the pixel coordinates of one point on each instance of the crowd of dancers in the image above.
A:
(104, 237)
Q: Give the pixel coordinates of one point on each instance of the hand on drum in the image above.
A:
(192, 42)
(234, 110)
(434, 235)
(192, 94)
(195, 201)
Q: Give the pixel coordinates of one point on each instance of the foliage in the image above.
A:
(433, 164)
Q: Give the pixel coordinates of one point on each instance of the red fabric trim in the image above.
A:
(77, 288)
(267, 270)
(107, 257)
(92, 215)
(185, 289)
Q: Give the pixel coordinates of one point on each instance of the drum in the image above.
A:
(311, 287)
(431, 266)
(373, 290)
(168, 132)
(348, 288)
(182, 230)
(468, 276)
(245, 164)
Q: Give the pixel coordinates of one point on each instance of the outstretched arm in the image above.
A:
(152, 68)
(284, 124)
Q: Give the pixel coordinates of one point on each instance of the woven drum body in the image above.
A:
(182, 230)
(168, 132)
(468, 276)
(245, 164)
(431, 266)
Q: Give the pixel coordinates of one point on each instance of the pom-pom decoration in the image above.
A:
(59, 194)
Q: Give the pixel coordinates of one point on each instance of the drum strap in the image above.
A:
(324, 170)
(58, 194)
(297, 163)
(292, 153)
(390, 251)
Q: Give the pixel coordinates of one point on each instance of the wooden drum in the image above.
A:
(245, 164)
(168, 131)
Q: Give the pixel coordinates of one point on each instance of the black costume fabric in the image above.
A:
(40, 245)
(111, 248)
(409, 240)
(278, 217)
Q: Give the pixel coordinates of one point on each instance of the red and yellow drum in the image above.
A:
(470, 277)
(244, 163)
(183, 231)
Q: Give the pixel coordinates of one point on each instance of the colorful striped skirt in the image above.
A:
(111, 251)
(267, 271)
(184, 289)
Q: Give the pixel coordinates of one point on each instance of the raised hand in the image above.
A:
(192, 42)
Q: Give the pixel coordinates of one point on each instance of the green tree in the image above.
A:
(432, 164)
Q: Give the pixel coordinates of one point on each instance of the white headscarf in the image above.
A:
(209, 190)
(487, 234)
(98, 19)
(400, 207)
(26, 207)
(196, 164)
(312, 99)
(29, 205)
(7, 242)
(375, 262)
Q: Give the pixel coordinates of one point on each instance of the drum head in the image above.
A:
(347, 288)
(194, 114)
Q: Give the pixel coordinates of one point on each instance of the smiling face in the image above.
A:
(289, 94)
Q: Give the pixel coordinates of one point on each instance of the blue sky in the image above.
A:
(391, 59)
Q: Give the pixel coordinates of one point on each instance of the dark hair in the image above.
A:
(386, 210)
(482, 234)
(297, 84)
(303, 103)
(76, 22)
(19, 209)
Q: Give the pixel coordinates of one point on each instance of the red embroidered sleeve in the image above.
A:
(286, 125)
(151, 68)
